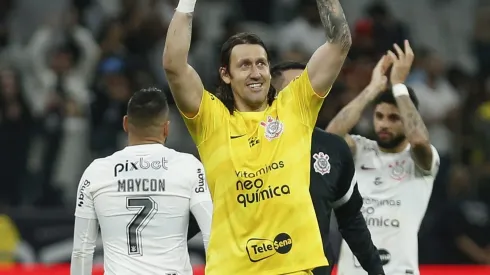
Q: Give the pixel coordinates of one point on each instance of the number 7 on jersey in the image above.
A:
(146, 208)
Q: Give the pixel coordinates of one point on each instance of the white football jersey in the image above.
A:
(141, 197)
(396, 193)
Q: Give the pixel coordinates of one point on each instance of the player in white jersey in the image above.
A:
(396, 172)
(141, 197)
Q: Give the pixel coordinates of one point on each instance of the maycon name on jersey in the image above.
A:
(141, 185)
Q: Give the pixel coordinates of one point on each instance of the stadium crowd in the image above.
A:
(68, 68)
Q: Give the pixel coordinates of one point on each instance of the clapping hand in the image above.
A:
(402, 63)
(378, 77)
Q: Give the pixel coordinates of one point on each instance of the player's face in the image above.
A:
(249, 75)
(388, 126)
(286, 78)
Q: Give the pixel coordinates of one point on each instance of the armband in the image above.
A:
(186, 6)
(399, 90)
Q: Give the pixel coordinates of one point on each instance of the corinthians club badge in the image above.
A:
(398, 171)
(273, 128)
(321, 164)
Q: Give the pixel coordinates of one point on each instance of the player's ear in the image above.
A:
(166, 129)
(225, 75)
(125, 123)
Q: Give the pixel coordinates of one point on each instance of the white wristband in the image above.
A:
(186, 6)
(399, 90)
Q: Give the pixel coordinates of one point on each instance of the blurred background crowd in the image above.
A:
(68, 68)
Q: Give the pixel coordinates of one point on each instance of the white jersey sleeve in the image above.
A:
(86, 226)
(362, 144)
(201, 205)
(85, 201)
(84, 238)
(434, 168)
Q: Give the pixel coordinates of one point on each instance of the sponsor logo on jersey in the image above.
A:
(81, 194)
(377, 181)
(321, 164)
(260, 249)
(364, 167)
(388, 202)
(251, 188)
(398, 171)
(273, 128)
(200, 178)
(384, 255)
(262, 171)
(253, 141)
(239, 136)
(381, 222)
(142, 164)
(254, 191)
(368, 210)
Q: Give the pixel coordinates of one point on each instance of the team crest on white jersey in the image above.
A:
(273, 128)
(321, 164)
(398, 171)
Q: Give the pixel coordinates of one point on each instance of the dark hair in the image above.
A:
(387, 97)
(377, 9)
(69, 46)
(278, 69)
(223, 90)
(146, 105)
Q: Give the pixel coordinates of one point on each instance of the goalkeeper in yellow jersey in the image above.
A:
(256, 148)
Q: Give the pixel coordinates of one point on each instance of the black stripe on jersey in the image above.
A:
(337, 188)
(193, 228)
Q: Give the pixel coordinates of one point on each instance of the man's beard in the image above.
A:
(392, 143)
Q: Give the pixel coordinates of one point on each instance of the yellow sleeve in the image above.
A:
(212, 112)
(299, 97)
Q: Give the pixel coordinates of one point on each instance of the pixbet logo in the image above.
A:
(140, 164)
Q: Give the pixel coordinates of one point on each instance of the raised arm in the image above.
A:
(185, 84)
(326, 62)
(348, 117)
(415, 130)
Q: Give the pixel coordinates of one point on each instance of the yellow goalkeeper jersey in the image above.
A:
(257, 166)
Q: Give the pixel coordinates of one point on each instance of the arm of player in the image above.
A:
(326, 62)
(86, 227)
(348, 117)
(84, 237)
(185, 84)
(351, 223)
(201, 205)
(415, 129)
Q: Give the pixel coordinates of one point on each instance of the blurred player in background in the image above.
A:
(141, 196)
(396, 172)
(256, 148)
(333, 186)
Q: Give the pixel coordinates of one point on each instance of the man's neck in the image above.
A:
(246, 108)
(133, 141)
(400, 148)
